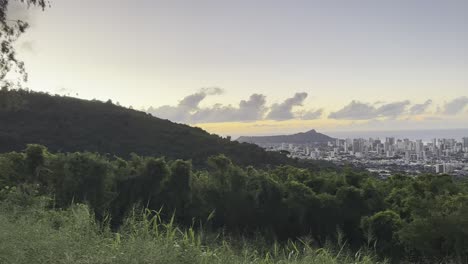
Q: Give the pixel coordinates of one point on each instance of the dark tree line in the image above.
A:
(419, 218)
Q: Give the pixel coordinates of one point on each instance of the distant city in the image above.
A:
(385, 156)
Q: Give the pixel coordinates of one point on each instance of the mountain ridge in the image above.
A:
(310, 136)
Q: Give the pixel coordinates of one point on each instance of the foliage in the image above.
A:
(416, 219)
(34, 233)
(10, 31)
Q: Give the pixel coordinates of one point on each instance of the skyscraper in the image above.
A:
(465, 142)
(390, 140)
(419, 148)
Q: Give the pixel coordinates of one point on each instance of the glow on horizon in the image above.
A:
(268, 127)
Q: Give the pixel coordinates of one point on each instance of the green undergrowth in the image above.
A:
(32, 231)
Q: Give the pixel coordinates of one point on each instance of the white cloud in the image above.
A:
(361, 111)
(184, 110)
(248, 110)
(392, 109)
(354, 111)
(419, 109)
(311, 114)
(283, 111)
(455, 106)
(253, 109)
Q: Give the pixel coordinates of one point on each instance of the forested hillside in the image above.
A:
(402, 218)
(68, 124)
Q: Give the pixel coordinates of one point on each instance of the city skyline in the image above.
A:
(243, 68)
(383, 156)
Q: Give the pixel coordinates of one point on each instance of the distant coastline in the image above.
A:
(423, 134)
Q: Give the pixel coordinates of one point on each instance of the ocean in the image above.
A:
(425, 135)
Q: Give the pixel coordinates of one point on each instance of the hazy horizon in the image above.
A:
(412, 134)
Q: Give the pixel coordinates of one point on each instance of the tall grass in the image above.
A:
(31, 231)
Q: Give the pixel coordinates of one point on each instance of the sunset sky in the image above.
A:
(259, 67)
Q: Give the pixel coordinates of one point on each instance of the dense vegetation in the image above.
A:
(68, 124)
(421, 218)
(32, 232)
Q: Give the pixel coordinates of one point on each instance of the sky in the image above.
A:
(259, 67)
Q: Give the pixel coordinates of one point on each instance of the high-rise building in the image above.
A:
(386, 146)
(439, 168)
(407, 155)
(434, 146)
(358, 145)
(390, 141)
(465, 142)
(390, 154)
(419, 149)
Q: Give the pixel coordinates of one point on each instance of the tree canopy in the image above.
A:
(10, 30)
(402, 218)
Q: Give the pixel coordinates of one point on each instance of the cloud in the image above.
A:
(189, 111)
(211, 90)
(248, 110)
(64, 91)
(192, 101)
(283, 111)
(354, 111)
(419, 109)
(361, 111)
(254, 108)
(311, 114)
(455, 106)
(392, 109)
(183, 111)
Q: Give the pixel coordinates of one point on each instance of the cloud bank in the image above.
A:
(252, 109)
(255, 108)
(361, 111)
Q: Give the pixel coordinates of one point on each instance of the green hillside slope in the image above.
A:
(68, 124)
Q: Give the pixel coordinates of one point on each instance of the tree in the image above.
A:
(87, 178)
(10, 31)
(35, 158)
(154, 173)
(178, 190)
(383, 227)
